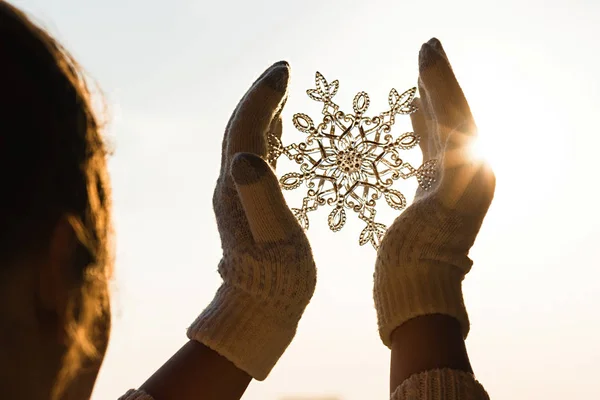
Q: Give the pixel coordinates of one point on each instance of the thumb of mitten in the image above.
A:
(268, 215)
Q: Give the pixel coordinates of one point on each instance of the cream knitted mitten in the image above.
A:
(423, 257)
(268, 271)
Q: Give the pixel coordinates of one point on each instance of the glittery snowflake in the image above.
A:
(349, 161)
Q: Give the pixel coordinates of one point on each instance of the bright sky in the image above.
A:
(172, 73)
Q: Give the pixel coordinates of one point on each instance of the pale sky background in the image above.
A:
(173, 71)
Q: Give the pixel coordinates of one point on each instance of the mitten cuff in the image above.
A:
(247, 332)
(431, 288)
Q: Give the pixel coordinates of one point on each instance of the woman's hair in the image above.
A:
(53, 168)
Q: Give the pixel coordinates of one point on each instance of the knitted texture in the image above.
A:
(267, 268)
(423, 257)
(442, 384)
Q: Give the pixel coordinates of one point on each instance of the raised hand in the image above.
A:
(423, 257)
(268, 271)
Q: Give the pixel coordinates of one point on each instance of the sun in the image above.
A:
(481, 149)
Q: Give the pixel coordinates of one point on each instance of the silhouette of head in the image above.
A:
(55, 222)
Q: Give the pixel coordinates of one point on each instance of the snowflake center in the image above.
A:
(349, 160)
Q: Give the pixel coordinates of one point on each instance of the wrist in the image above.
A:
(426, 343)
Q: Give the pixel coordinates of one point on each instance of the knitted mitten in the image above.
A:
(423, 257)
(268, 271)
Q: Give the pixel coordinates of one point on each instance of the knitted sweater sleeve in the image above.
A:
(441, 384)
(135, 395)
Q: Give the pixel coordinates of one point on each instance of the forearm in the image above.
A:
(427, 343)
(430, 362)
(197, 372)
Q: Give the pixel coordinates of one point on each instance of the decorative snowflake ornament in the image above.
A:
(349, 161)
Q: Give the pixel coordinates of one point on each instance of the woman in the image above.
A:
(56, 254)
